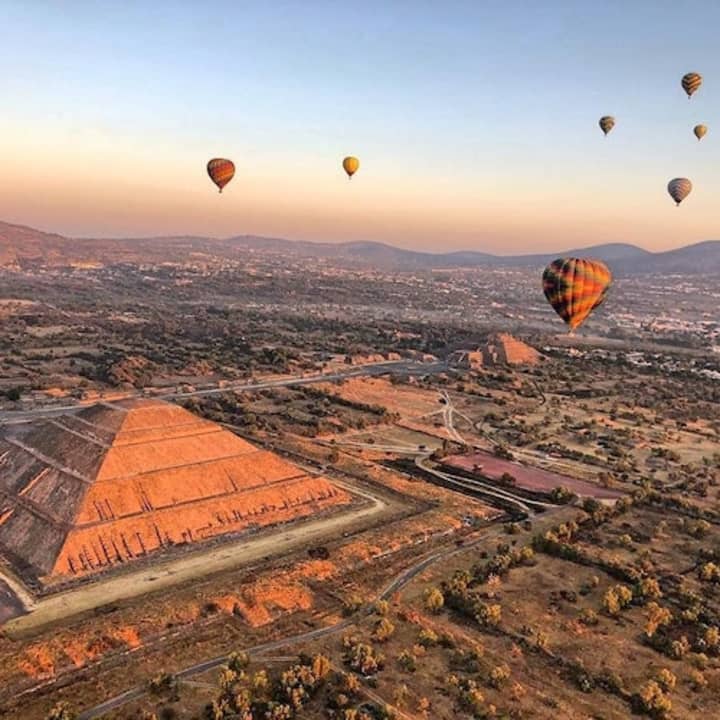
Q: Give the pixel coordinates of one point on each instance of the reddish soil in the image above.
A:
(527, 478)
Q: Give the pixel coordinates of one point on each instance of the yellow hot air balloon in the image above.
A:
(607, 123)
(679, 189)
(350, 165)
(221, 171)
(700, 131)
(691, 82)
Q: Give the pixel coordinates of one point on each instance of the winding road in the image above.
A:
(199, 668)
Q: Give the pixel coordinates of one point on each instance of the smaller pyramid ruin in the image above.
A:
(80, 494)
(499, 349)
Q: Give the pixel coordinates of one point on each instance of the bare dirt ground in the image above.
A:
(528, 478)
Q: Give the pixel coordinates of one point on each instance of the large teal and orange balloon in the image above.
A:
(221, 171)
(575, 287)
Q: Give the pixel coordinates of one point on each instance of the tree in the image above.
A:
(278, 711)
(499, 675)
(489, 615)
(653, 701)
(401, 695)
(712, 637)
(407, 661)
(710, 572)
(697, 680)
(384, 630)
(434, 600)
(238, 661)
(352, 604)
(321, 667)
(163, 683)
(260, 683)
(657, 617)
(666, 679)
(648, 589)
(507, 479)
(61, 711)
(428, 638)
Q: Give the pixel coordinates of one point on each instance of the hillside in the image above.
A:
(22, 245)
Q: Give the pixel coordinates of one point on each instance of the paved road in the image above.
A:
(14, 417)
(396, 584)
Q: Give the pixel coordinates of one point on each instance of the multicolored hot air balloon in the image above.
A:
(700, 131)
(691, 82)
(607, 123)
(221, 171)
(350, 165)
(679, 189)
(575, 287)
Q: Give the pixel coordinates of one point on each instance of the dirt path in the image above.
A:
(50, 610)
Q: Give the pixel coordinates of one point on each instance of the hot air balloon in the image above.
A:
(575, 287)
(700, 131)
(691, 83)
(221, 171)
(350, 165)
(679, 189)
(607, 123)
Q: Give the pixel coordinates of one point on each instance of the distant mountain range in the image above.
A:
(20, 244)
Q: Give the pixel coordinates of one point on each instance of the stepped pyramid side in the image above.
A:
(83, 493)
(499, 349)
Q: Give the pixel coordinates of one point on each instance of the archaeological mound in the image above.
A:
(85, 493)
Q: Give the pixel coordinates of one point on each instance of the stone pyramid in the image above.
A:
(83, 493)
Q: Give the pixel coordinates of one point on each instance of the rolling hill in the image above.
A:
(23, 245)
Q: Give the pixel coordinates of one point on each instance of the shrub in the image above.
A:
(666, 680)
(434, 600)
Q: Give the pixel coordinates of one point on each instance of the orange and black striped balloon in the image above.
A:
(575, 287)
(691, 83)
(221, 171)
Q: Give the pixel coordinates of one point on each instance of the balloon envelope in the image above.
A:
(350, 165)
(607, 123)
(679, 189)
(691, 82)
(575, 287)
(221, 171)
(700, 131)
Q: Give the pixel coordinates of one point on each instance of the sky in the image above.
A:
(476, 123)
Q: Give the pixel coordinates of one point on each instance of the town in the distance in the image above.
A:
(256, 478)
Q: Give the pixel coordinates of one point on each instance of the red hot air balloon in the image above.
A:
(221, 171)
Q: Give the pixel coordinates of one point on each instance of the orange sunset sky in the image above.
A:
(475, 123)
